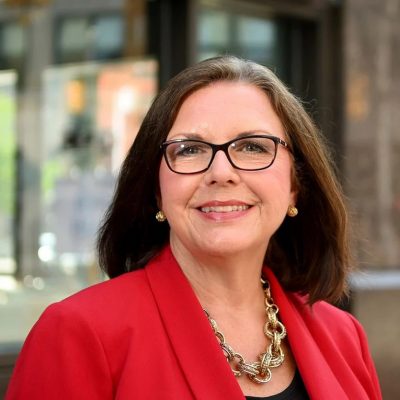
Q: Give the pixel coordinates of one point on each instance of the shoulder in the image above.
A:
(104, 304)
(337, 333)
(334, 318)
(319, 310)
(345, 328)
(116, 290)
(78, 344)
(338, 324)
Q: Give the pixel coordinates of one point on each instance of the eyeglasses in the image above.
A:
(248, 153)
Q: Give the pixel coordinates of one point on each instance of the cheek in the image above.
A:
(175, 189)
(286, 176)
(278, 180)
(275, 192)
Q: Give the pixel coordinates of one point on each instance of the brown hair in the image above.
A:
(309, 253)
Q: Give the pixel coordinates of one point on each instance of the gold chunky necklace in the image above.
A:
(258, 371)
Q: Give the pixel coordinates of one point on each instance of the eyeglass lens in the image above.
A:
(248, 153)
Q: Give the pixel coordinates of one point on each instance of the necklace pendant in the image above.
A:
(273, 357)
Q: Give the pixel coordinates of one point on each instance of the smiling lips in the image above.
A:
(224, 209)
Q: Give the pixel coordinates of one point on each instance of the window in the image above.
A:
(12, 45)
(90, 114)
(82, 38)
(222, 31)
(284, 43)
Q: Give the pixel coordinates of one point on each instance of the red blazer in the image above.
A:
(144, 335)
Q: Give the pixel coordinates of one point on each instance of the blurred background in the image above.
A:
(77, 77)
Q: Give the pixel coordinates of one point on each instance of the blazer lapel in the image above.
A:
(200, 357)
(320, 380)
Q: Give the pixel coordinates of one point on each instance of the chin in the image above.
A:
(223, 247)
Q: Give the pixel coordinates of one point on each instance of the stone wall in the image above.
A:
(372, 127)
(372, 169)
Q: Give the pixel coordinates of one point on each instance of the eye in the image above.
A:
(254, 145)
(187, 149)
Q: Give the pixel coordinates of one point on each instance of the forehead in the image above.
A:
(224, 110)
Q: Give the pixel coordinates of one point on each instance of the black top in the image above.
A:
(295, 391)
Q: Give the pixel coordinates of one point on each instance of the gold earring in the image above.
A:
(292, 211)
(160, 216)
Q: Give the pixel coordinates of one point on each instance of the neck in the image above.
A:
(222, 282)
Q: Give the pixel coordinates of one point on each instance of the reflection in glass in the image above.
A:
(256, 32)
(7, 170)
(13, 42)
(108, 37)
(12, 45)
(98, 37)
(214, 28)
(73, 37)
(91, 114)
(248, 36)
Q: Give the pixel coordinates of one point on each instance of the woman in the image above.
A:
(226, 209)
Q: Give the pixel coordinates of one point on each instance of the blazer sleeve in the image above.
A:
(62, 358)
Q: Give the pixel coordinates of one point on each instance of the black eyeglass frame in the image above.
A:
(224, 147)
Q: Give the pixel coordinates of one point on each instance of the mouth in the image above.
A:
(224, 209)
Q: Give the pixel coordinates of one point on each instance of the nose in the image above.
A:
(221, 171)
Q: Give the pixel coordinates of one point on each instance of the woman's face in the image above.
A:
(251, 205)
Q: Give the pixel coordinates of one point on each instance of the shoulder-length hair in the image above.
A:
(308, 253)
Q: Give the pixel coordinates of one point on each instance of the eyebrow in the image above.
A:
(194, 136)
(253, 132)
(197, 136)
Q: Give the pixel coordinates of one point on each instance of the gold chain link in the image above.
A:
(273, 357)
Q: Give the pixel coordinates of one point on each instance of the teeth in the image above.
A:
(223, 209)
